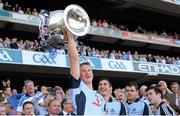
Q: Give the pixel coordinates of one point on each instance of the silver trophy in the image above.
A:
(52, 23)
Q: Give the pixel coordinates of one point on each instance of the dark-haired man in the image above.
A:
(112, 106)
(155, 98)
(28, 109)
(133, 104)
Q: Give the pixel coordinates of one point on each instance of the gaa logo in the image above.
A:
(4, 56)
(44, 59)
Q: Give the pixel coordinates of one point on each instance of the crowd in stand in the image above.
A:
(97, 23)
(88, 51)
(17, 8)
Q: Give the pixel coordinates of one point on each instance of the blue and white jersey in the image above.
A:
(165, 109)
(115, 108)
(138, 108)
(85, 100)
(145, 99)
(26, 98)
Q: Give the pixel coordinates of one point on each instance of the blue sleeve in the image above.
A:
(74, 83)
(19, 95)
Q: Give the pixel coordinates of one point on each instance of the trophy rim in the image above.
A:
(87, 28)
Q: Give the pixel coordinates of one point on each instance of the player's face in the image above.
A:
(152, 96)
(86, 74)
(104, 88)
(131, 93)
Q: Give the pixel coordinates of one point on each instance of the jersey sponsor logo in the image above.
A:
(42, 58)
(97, 102)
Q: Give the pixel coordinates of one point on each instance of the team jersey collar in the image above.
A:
(133, 101)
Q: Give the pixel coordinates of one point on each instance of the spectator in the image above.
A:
(67, 107)
(28, 11)
(177, 61)
(167, 93)
(9, 109)
(10, 98)
(7, 43)
(174, 88)
(14, 44)
(1, 43)
(30, 95)
(59, 93)
(136, 56)
(6, 6)
(2, 110)
(34, 12)
(20, 10)
(94, 22)
(54, 107)
(153, 109)
(1, 5)
(143, 94)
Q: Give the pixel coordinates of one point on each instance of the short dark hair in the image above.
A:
(27, 102)
(156, 90)
(85, 63)
(106, 79)
(130, 84)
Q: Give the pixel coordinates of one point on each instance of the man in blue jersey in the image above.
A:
(86, 101)
(133, 104)
(31, 95)
(155, 98)
(112, 106)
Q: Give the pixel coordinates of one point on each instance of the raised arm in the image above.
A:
(73, 55)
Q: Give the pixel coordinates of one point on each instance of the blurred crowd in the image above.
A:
(40, 46)
(97, 22)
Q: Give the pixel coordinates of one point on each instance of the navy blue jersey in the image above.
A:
(165, 109)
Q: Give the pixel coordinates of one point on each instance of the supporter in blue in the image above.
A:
(30, 95)
(155, 98)
(112, 106)
(86, 101)
(124, 56)
(12, 98)
(133, 104)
